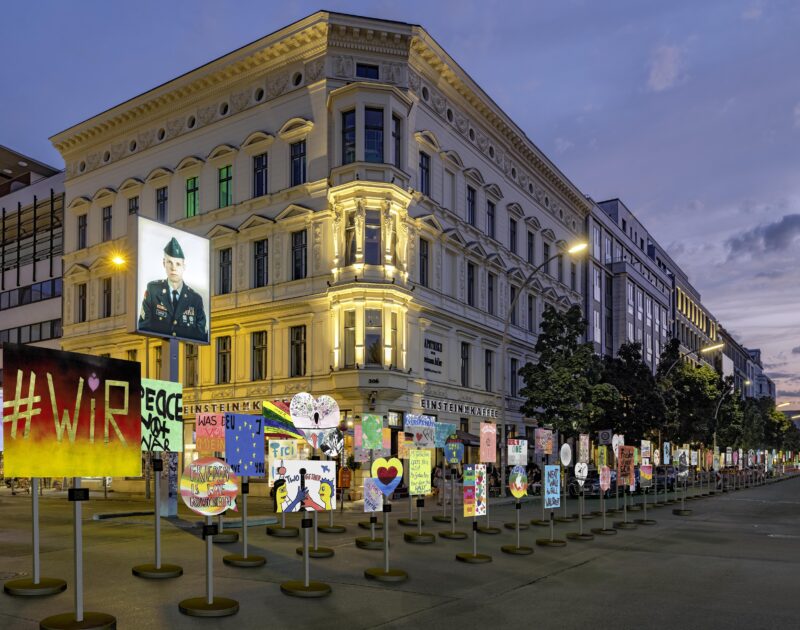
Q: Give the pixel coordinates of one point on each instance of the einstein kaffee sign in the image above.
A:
(460, 408)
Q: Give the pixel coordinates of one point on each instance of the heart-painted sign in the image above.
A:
(616, 442)
(605, 478)
(566, 455)
(422, 429)
(581, 472)
(388, 473)
(318, 419)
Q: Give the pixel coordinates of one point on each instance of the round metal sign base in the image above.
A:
(514, 526)
(150, 572)
(365, 542)
(24, 587)
(453, 535)
(624, 525)
(441, 519)
(599, 531)
(473, 558)
(516, 551)
(408, 522)
(296, 588)
(392, 575)
(680, 512)
(551, 542)
(565, 519)
(238, 560)
(282, 532)
(316, 552)
(634, 508)
(366, 524)
(540, 523)
(332, 529)
(416, 538)
(580, 537)
(491, 531)
(226, 538)
(646, 521)
(67, 621)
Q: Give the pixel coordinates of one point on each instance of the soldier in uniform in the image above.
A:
(170, 308)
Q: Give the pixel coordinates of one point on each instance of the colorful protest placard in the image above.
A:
(419, 472)
(279, 451)
(318, 419)
(371, 431)
(646, 451)
(518, 482)
(469, 490)
(386, 437)
(646, 475)
(162, 416)
(373, 497)
(583, 448)
(480, 490)
(617, 440)
(605, 478)
(517, 452)
(443, 430)
(317, 493)
(387, 473)
(244, 444)
(581, 472)
(625, 465)
(604, 437)
(552, 487)
(488, 452)
(422, 430)
(565, 455)
(454, 452)
(602, 456)
(278, 421)
(210, 433)
(345, 477)
(403, 446)
(208, 486)
(544, 441)
(693, 458)
(70, 415)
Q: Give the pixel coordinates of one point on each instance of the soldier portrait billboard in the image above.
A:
(172, 283)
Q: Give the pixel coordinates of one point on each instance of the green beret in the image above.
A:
(173, 249)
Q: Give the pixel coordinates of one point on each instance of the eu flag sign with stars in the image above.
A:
(244, 444)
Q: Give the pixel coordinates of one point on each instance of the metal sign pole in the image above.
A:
(244, 560)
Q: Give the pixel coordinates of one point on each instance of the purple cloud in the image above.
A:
(770, 237)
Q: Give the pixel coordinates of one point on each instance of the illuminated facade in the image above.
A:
(371, 211)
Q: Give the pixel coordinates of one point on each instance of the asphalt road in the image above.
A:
(732, 564)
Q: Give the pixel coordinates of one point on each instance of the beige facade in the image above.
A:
(388, 243)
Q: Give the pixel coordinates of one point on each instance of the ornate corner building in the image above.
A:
(372, 214)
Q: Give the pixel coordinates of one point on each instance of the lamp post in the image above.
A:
(575, 249)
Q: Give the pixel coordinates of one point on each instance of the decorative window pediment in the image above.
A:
(104, 193)
(158, 173)
(431, 221)
(222, 152)
(255, 220)
(76, 270)
(295, 129)
(493, 190)
(189, 162)
(220, 230)
(533, 223)
(475, 175)
(257, 142)
(476, 248)
(454, 235)
(293, 210)
(496, 260)
(428, 138)
(131, 186)
(515, 209)
(515, 273)
(562, 245)
(549, 234)
(452, 157)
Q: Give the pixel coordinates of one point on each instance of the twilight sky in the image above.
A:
(688, 111)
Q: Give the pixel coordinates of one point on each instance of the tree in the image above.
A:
(562, 388)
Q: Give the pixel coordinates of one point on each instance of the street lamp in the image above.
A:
(575, 249)
(783, 404)
(707, 349)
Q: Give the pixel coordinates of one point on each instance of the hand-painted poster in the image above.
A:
(694, 458)
(667, 452)
(480, 489)
(373, 497)
(517, 452)
(387, 473)
(583, 448)
(208, 486)
(544, 441)
(419, 472)
(602, 456)
(422, 430)
(443, 430)
(604, 437)
(210, 433)
(244, 444)
(656, 457)
(162, 416)
(605, 478)
(279, 451)
(278, 421)
(552, 487)
(318, 419)
(371, 431)
(70, 415)
(682, 458)
(403, 446)
(488, 452)
(469, 490)
(454, 452)
(645, 451)
(360, 454)
(581, 472)
(617, 440)
(518, 482)
(565, 455)
(625, 465)
(645, 475)
(729, 457)
(315, 492)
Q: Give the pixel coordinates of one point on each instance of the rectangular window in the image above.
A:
(423, 262)
(560, 265)
(597, 328)
(107, 223)
(260, 175)
(373, 135)
(573, 277)
(192, 192)
(470, 205)
(106, 303)
(190, 362)
(349, 137)
(490, 219)
(349, 339)
(261, 263)
(597, 288)
(350, 239)
(259, 357)
(649, 311)
(133, 205)
(511, 304)
(161, 204)
(596, 242)
(531, 313)
(464, 364)
(639, 305)
(225, 186)
(397, 139)
(297, 351)
(373, 347)
(629, 290)
(80, 315)
(470, 284)
(546, 257)
(488, 369)
(425, 173)
(298, 163)
(82, 225)
(490, 280)
(298, 255)
(225, 271)
(395, 341)
(514, 377)
(608, 251)
(223, 359)
(531, 248)
(512, 235)
(372, 237)
(366, 71)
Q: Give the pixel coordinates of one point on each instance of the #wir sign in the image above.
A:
(70, 415)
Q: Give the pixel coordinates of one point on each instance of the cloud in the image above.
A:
(665, 68)
(754, 11)
(789, 393)
(796, 350)
(766, 238)
(563, 145)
